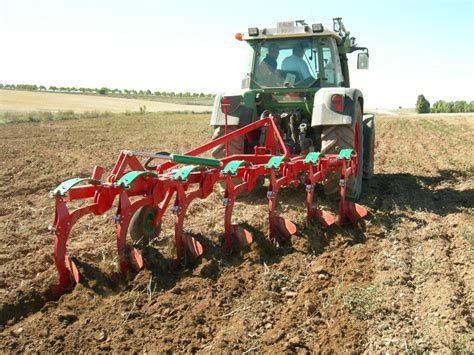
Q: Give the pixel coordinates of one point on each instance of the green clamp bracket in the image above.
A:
(67, 185)
(312, 158)
(275, 162)
(232, 166)
(345, 154)
(183, 173)
(126, 180)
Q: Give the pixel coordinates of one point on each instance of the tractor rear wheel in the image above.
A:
(369, 146)
(337, 137)
(140, 229)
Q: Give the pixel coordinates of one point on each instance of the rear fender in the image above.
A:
(239, 114)
(323, 114)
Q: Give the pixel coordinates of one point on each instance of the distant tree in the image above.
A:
(439, 106)
(1, 86)
(103, 91)
(450, 107)
(471, 106)
(42, 88)
(422, 105)
(460, 106)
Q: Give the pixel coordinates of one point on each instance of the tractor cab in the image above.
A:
(293, 55)
(294, 63)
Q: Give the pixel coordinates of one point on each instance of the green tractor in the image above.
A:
(298, 73)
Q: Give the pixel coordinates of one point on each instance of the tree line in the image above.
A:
(440, 106)
(103, 91)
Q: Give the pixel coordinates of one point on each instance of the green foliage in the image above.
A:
(422, 105)
(453, 106)
(103, 91)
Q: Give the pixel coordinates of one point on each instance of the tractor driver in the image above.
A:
(272, 56)
(296, 64)
(267, 69)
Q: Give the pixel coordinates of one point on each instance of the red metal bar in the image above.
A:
(212, 144)
(225, 102)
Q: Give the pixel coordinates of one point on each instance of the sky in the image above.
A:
(416, 47)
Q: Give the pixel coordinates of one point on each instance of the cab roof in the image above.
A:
(290, 29)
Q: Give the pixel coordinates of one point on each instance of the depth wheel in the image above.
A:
(140, 229)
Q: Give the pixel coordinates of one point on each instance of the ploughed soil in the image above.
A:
(401, 281)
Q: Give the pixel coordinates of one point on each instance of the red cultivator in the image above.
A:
(152, 189)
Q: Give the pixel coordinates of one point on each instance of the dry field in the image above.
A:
(402, 283)
(14, 100)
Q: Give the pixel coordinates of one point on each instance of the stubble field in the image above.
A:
(404, 282)
(14, 100)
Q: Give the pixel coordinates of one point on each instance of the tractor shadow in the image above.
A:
(406, 192)
(392, 196)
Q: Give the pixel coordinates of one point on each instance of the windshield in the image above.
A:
(298, 63)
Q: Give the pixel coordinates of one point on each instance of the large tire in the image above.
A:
(236, 145)
(140, 228)
(337, 137)
(369, 146)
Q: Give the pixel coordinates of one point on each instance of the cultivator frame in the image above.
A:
(195, 180)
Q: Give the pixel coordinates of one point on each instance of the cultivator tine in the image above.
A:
(63, 223)
(129, 257)
(187, 248)
(349, 212)
(282, 227)
(279, 227)
(327, 219)
(352, 212)
(242, 236)
(192, 248)
(315, 175)
(68, 273)
(72, 269)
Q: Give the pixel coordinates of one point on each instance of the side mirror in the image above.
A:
(363, 61)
